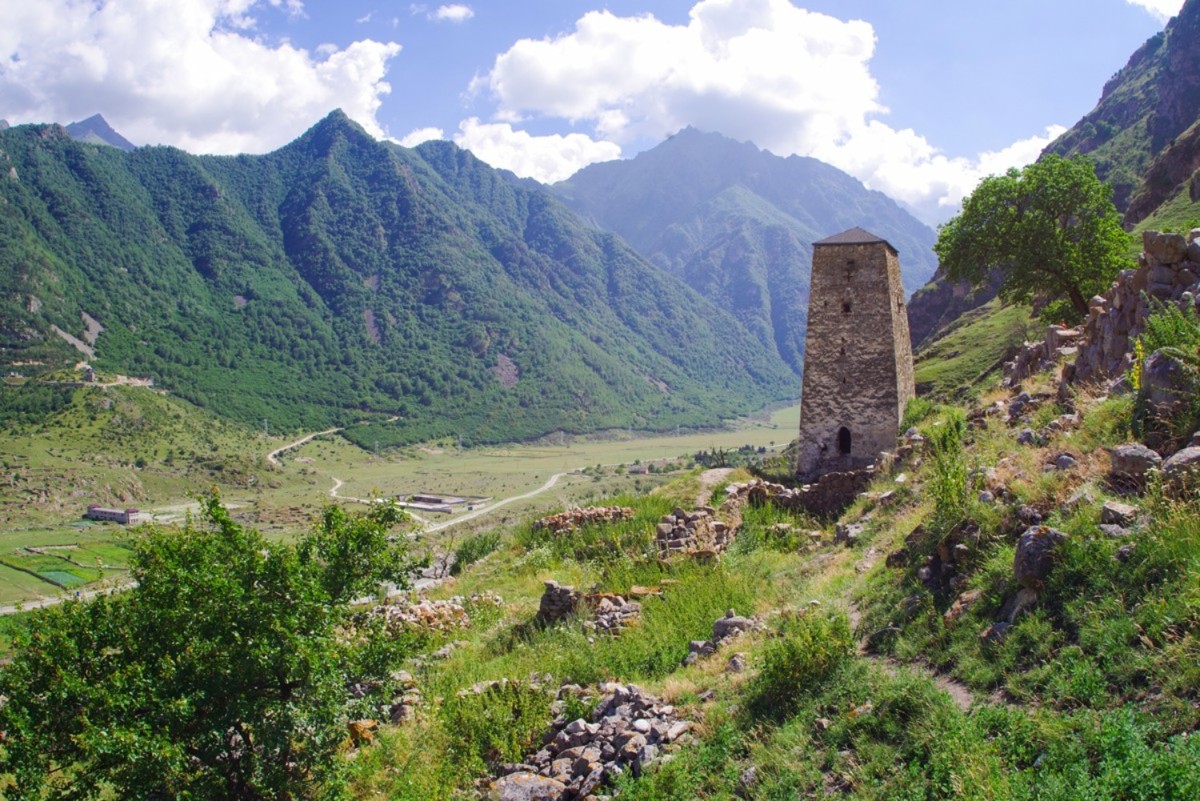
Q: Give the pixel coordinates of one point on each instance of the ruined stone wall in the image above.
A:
(858, 357)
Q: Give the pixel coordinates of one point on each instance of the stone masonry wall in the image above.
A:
(1168, 271)
(858, 356)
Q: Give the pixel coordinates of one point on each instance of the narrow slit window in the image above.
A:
(844, 441)
(845, 307)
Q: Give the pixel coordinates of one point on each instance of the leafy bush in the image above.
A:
(474, 548)
(498, 724)
(916, 411)
(948, 483)
(1174, 333)
(219, 674)
(809, 649)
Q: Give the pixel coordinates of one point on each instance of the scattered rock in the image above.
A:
(995, 633)
(524, 786)
(1118, 514)
(1035, 556)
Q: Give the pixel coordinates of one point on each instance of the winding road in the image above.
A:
(272, 457)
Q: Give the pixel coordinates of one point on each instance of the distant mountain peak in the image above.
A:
(96, 130)
(3, 124)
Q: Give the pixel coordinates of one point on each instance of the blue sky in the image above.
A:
(918, 99)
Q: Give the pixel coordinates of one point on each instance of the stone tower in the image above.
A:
(858, 371)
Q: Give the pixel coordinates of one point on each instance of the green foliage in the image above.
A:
(917, 410)
(500, 723)
(948, 481)
(602, 541)
(218, 675)
(809, 649)
(356, 552)
(1051, 229)
(1174, 333)
(474, 548)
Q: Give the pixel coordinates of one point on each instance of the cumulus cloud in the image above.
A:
(183, 73)
(788, 79)
(1161, 10)
(453, 13)
(414, 138)
(544, 158)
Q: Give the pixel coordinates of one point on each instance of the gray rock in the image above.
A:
(1182, 464)
(1065, 461)
(1165, 248)
(995, 633)
(1113, 531)
(1124, 553)
(1027, 437)
(730, 625)
(526, 787)
(1036, 554)
(1132, 461)
(1118, 514)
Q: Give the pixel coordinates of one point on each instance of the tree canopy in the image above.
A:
(222, 673)
(1051, 229)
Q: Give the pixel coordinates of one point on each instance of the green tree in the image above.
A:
(221, 674)
(1051, 229)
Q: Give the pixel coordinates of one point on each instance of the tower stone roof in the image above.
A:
(854, 236)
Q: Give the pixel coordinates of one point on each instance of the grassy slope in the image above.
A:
(972, 350)
(1091, 695)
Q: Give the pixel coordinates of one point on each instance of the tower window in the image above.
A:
(845, 307)
(844, 441)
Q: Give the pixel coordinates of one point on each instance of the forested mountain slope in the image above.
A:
(342, 278)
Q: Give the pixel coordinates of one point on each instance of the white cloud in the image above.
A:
(790, 80)
(544, 158)
(414, 138)
(1161, 10)
(181, 73)
(453, 13)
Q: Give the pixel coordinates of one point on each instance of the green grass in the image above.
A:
(963, 358)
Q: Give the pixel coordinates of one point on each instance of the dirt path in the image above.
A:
(709, 479)
(503, 502)
(42, 603)
(272, 457)
(960, 693)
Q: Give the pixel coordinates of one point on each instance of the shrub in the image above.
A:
(948, 482)
(917, 411)
(810, 648)
(498, 724)
(474, 548)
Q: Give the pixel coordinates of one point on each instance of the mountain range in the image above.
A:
(737, 224)
(341, 278)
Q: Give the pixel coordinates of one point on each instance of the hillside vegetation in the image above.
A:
(341, 278)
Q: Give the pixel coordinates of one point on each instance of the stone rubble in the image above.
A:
(400, 613)
(610, 613)
(697, 533)
(573, 519)
(629, 729)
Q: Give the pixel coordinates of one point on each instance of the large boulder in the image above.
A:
(1037, 551)
(1183, 468)
(1132, 461)
(1165, 248)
